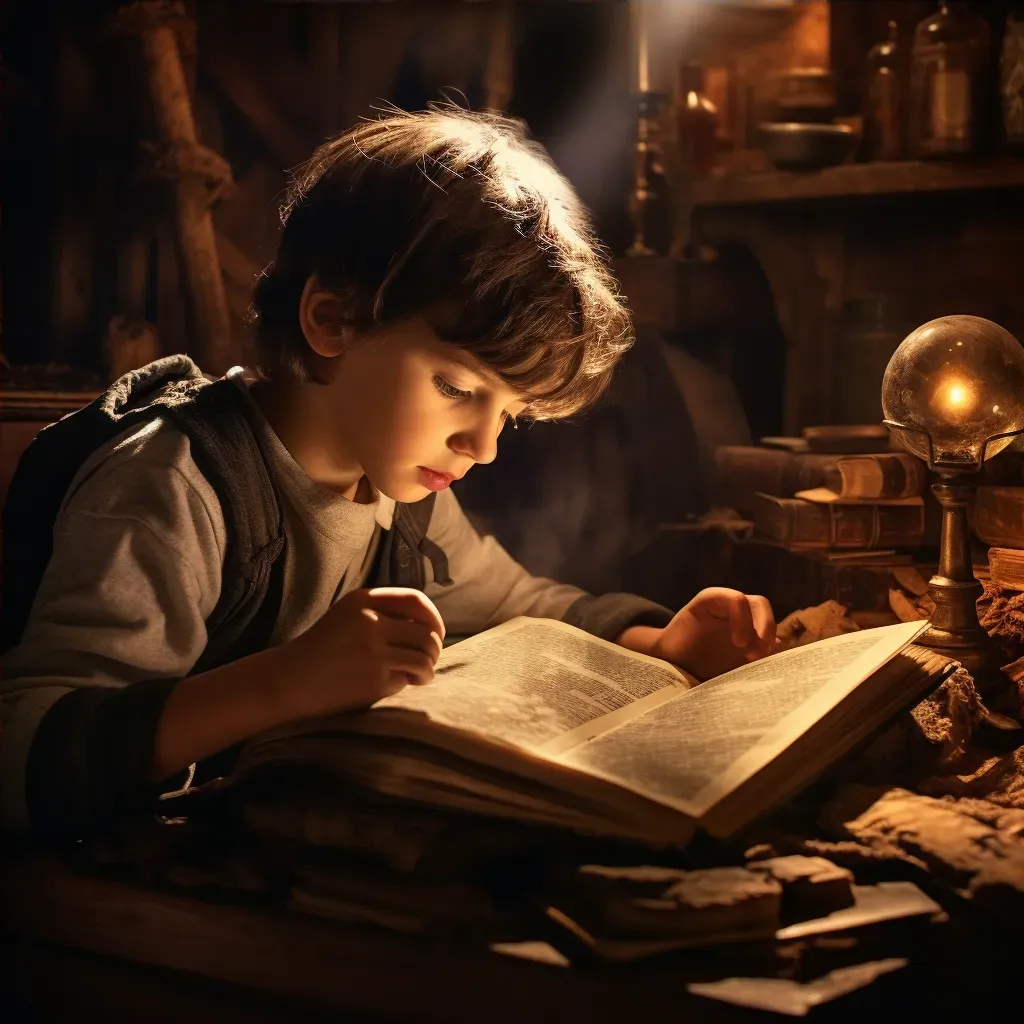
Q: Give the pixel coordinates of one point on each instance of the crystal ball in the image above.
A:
(959, 380)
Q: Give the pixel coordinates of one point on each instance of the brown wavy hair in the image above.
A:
(458, 217)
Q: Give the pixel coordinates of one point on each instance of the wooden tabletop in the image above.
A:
(62, 934)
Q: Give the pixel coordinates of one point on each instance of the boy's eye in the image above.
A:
(449, 390)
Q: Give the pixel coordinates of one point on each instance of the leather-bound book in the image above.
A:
(800, 523)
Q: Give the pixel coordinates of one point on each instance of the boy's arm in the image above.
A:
(118, 619)
(491, 587)
(97, 702)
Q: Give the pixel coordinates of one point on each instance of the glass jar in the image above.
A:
(696, 122)
(883, 112)
(950, 59)
(805, 96)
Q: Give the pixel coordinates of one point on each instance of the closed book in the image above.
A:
(800, 577)
(1006, 469)
(742, 471)
(848, 439)
(1006, 568)
(888, 475)
(800, 523)
(997, 516)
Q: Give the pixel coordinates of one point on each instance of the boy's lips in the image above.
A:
(434, 479)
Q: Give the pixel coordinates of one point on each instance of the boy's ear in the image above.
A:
(322, 316)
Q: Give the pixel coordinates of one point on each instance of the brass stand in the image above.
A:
(955, 630)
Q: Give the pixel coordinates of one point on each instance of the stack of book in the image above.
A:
(832, 498)
(997, 518)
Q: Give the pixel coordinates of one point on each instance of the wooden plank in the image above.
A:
(248, 94)
(42, 982)
(196, 244)
(858, 180)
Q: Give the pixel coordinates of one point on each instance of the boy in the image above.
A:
(435, 279)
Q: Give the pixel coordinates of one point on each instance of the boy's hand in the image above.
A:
(717, 631)
(368, 645)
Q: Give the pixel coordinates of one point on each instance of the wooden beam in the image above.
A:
(153, 23)
(245, 91)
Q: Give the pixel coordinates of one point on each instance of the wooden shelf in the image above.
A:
(853, 181)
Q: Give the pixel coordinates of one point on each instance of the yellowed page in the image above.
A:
(692, 751)
(540, 684)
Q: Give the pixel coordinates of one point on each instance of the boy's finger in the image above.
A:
(415, 664)
(741, 622)
(405, 603)
(764, 622)
(413, 635)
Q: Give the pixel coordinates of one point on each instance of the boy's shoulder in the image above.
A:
(181, 430)
(153, 458)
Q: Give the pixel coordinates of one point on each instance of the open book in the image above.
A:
(538, 721)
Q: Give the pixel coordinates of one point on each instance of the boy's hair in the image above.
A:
(458, 217)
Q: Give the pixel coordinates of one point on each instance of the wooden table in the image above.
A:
(70, 943)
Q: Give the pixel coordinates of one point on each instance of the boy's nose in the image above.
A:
(481, 444)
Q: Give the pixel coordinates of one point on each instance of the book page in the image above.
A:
(540, 684)
(698, 747)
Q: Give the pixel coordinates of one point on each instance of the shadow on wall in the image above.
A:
(579, 500)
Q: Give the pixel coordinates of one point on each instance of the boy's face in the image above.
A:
(414, 412)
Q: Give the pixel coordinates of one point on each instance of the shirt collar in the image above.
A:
(385, 514)
(385, 511)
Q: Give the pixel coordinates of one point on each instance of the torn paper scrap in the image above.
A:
(795, 998)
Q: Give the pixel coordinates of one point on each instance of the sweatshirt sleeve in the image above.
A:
(490, 587)
(118, 619)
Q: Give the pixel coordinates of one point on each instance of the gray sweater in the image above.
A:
(138, 551)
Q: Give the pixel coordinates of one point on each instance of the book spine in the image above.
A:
(877, 526)
(881, 476)
(809, 471)
(806, 524)
(743, 471)
(998, 516)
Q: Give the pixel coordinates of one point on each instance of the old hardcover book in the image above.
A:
(886, 475)
(851, 439)
(801, 523)
(741, 471)
(1006, 568)
(539, 722)
(997, 516)
(1007, 469)
(797, 445)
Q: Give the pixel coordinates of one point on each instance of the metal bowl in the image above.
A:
(792, 146)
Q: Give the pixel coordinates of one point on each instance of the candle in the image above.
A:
(639, 12)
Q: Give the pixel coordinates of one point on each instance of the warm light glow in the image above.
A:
(638, 10)
(955, 396)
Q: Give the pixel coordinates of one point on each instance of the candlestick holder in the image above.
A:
(648, 201)
(953, 395)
